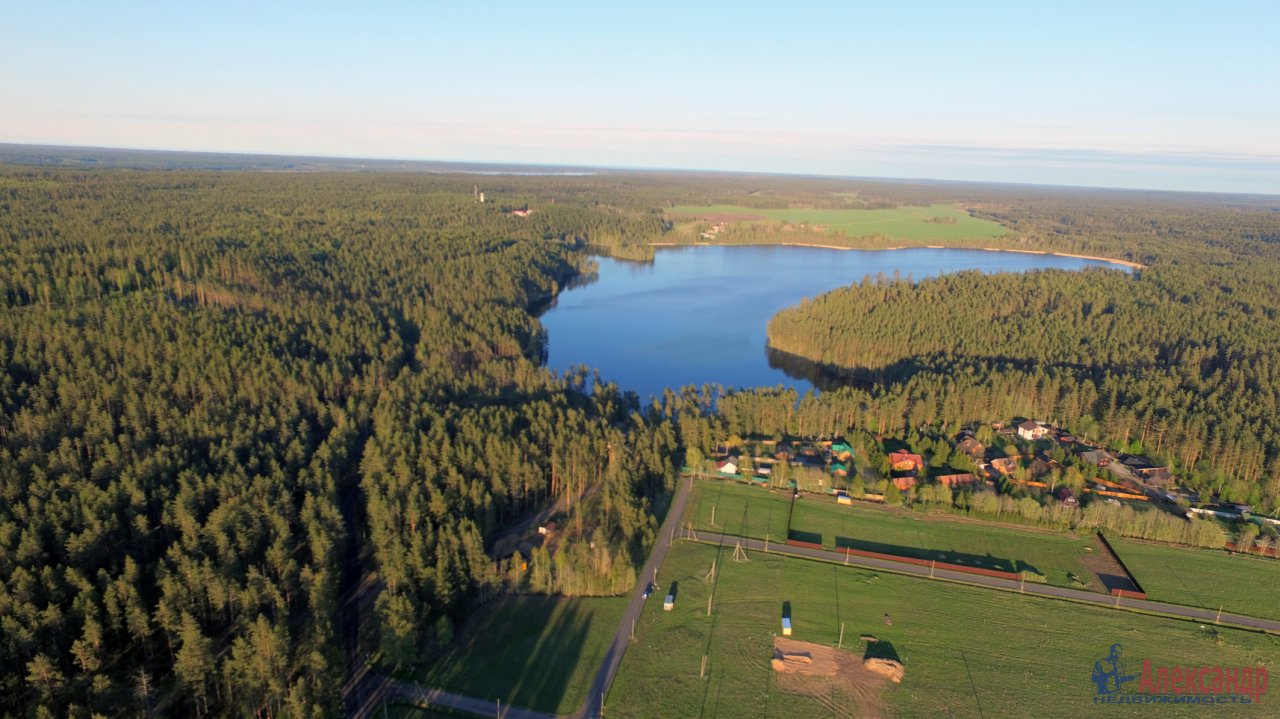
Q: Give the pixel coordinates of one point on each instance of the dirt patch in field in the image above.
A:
(1108, 574)
(835, 678)
(723, 217)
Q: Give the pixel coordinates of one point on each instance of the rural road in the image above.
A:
(1042, 590)
(390, 689)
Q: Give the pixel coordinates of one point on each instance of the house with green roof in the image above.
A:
(841, 451)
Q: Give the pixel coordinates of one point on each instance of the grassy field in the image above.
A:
(968, 652)
(753, 512)
(1204, 578)
(907, 223)
(731, 508)
(536, 652)
(1051, 554)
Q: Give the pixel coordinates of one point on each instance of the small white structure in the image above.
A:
(786, 626)
(669, 603)
(727, 466)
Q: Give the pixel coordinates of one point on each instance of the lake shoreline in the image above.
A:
(1126, 263)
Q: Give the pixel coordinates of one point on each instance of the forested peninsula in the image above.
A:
(1177, 360)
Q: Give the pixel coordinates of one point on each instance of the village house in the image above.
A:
(1156, 476)
(1067, 498)
(904, 483)
(1004, 466)
(841, 451)
(1043, 464)
(972, 448)
(1031, 431)
(727, 466)
(1096, 457)
(957, 480)
(838, 469)
(904, 461)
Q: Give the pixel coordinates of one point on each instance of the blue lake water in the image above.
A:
(697, 315)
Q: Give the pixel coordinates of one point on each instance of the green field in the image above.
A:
(1051, 554)
(753, 511)
(968, 652)
(905, 223)
(739, 509)
(1204, 578)
(536, 652)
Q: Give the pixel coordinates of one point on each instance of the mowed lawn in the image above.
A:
(1053, 555)
(907, 223)
(536, 652)
(1204, 578)
(739, 509)
(968, 652)
(750, 511)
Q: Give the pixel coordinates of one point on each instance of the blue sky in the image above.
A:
(1164, 95)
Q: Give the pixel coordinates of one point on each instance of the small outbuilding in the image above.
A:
(669, 603)
(786, 626)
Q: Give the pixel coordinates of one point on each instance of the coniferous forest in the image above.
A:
(233, 400)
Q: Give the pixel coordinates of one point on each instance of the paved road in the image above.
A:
(1042, 590)
(391, 689)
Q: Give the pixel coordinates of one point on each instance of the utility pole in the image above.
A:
(840, 644)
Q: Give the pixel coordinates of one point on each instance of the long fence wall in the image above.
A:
(911, 560)
(1141, 593)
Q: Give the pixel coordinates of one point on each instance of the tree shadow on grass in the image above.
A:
(981, 561)
(523, 652)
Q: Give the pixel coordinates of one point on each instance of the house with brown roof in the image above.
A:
(903, 461)
(1156, 476)
(904, 483)
(972, 447)
(956, 480)
(1067, 498)
(1031, 431)
(1004, 465)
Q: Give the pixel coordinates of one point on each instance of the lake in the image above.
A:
(697, 315)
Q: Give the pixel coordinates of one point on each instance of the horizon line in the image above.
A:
(646, 169)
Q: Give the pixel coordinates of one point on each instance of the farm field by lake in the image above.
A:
(754, 511)
(936, 222)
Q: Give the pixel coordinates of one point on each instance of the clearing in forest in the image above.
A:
(935, 222)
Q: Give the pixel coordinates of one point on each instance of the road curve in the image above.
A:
(1042, 590)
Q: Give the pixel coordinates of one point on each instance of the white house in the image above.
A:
(1032, 431)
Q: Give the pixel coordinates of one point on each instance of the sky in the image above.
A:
(1162, 95)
